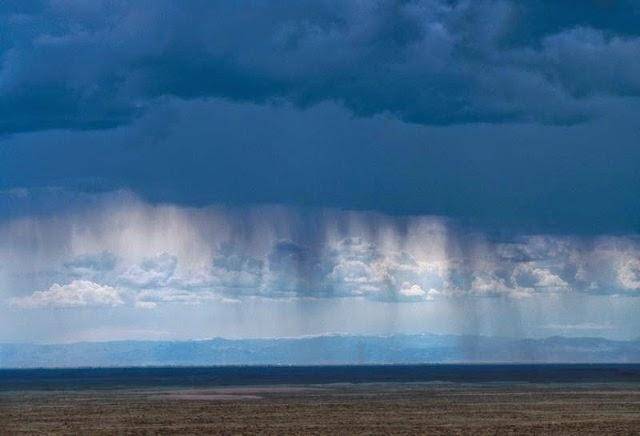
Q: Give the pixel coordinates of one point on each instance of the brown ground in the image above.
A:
(333, 409)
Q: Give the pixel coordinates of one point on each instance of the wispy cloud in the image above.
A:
(585, 326)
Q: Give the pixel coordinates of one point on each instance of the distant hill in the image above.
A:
(321, 350)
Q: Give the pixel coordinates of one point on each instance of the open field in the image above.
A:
(433, 408)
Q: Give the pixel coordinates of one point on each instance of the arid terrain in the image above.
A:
(433, 408)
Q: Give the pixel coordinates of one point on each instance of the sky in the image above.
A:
(185, 170)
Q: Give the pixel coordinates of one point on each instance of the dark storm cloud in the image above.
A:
(99, 64)
(253, 102)
(579, 179)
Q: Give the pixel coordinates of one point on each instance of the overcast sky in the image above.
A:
(266, 168)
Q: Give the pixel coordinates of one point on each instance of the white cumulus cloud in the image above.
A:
(78, 293)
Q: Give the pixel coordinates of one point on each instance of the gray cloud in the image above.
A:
(151, 272)
(91, 265)
(100, 64)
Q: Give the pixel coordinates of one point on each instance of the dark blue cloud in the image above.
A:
(91, 65)
(580, 179)
(243, 103)
(535, 19)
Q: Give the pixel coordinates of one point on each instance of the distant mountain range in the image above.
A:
(321, 350)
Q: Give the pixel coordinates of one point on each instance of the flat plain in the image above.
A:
(379, 408)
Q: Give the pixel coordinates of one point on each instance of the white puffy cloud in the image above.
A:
(357, 267)
(78, 293)
(532, 275)
(416, 292)
(609, 266)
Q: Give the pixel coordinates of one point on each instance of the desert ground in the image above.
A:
(430, 408)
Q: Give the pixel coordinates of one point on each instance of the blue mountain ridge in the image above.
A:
(321, 350)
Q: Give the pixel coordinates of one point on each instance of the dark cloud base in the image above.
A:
(570, 180)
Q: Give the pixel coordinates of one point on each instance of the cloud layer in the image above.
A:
(131, 253)
(88, 65)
